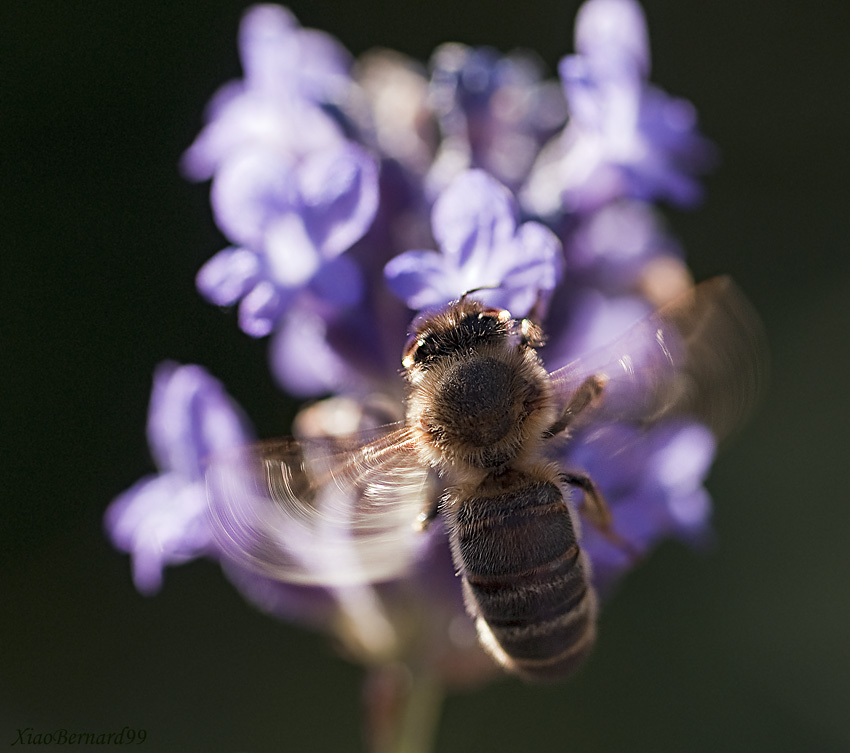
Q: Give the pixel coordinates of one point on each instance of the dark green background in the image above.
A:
(745, 648)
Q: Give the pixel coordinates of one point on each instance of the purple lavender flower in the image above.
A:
(495, 112)
(613, 248)
(586, 321)
(290, 73)
(292, 223)
(475, 224)
(624, 138)
(270, 147)
(294, 194)
(652, 482)
(318, 179)
(162, 520)
(290, 190)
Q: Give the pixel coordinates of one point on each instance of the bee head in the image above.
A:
(462, 327)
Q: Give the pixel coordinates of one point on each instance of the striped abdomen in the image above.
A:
(524, 576)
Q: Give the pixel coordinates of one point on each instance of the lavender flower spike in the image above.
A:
(625, 138)
(162, 520)
(475, 224)
(317, 179)
(290, 191)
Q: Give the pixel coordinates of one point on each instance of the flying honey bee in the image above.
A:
(481, 414)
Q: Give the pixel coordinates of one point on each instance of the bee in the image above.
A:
(481, 415)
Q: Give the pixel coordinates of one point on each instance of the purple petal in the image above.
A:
(326, 66)
(652, 482)
(278, 55)
(522, 273)
(595, 321)
(607, 101)
(304, 332)
(473, 214)
(619, 233)
(339, 196)
(160, 521)
(268, 46)
(691, 512)
(677, 151)
(537, 267)
(251, 189)
(421, 279)
(291, 254)
(249, 120)
(614, 244)
(624, 138)
(261, 309)
(592, 452)
(494, 113)
(613, 31)
(190, 418)
(228, 276)
(339, 282)
(519, 267)
(682, 455)
(200, 160)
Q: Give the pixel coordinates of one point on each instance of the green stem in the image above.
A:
(402, 709)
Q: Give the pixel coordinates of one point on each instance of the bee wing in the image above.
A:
(325, 511)
(703, 354)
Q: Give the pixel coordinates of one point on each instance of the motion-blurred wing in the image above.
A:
(703, 355)
(329, 511)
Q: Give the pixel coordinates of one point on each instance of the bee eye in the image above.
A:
(469, 332)
(428, 347)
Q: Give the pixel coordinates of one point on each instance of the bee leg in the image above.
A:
(587, 395)
(427, 516)
(594, 507)
(593, 504)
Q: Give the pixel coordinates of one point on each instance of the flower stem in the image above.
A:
(402, 709)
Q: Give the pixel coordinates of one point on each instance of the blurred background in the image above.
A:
(742, 648)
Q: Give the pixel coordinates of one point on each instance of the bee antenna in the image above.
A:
(475, 290)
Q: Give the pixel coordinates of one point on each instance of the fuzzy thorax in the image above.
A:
(480, 410)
